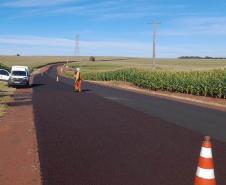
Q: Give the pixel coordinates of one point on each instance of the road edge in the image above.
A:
(169, 96)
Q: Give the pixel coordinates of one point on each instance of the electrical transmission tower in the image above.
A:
(154, 27)
(77, 45)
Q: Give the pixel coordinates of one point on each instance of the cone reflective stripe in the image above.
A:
(206, 152)
(205, 171)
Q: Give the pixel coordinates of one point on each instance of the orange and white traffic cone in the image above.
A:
(205, 171)
(57, 78)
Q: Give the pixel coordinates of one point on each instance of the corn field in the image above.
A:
(201, 83)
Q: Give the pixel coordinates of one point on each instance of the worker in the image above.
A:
(78, 80)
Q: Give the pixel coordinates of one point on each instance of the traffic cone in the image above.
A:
(57, 79)
(205, 171)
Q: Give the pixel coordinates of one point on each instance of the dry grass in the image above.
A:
(33, 62)
(114, 63)
(103, 64)
(5, 96)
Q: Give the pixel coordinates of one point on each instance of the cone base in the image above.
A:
(201, 181)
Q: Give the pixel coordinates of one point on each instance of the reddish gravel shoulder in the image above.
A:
(19, 163)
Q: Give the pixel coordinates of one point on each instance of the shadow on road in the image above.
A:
(20, 103)
(84, 90)
(31, 86)
(36, 85)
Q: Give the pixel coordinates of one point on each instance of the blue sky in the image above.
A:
(113, 27)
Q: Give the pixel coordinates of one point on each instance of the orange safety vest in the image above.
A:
(78, 81)
(77, 76)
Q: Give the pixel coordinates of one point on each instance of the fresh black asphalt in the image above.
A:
(106, 136)
(202, 120)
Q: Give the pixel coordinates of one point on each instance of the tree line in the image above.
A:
(198, 57)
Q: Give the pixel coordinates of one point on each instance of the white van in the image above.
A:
(19, 76)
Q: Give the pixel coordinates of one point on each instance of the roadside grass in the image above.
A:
(2, 66)
(5, 96)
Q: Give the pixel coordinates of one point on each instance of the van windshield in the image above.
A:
(19, 73)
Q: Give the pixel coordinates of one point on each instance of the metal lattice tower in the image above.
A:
(154, 27)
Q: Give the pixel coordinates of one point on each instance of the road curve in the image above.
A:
(91, 139)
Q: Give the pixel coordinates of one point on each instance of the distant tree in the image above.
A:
(92, 58)
(17, 54)
(207, 57)
(190, 57)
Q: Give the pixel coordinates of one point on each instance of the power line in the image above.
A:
(154, 27)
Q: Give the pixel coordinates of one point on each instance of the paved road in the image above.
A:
(100, 137)
(202, 120)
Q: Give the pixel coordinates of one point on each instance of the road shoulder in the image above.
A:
(19, 161)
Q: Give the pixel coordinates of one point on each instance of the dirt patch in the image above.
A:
(213, 103)
(19, 161)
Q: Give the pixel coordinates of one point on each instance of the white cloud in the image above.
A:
(198, 25)
(32, 45)
(61, 42)
(101, 10)
(34, 3)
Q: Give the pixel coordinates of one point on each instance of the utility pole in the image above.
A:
(154, 27)
(77, 45)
